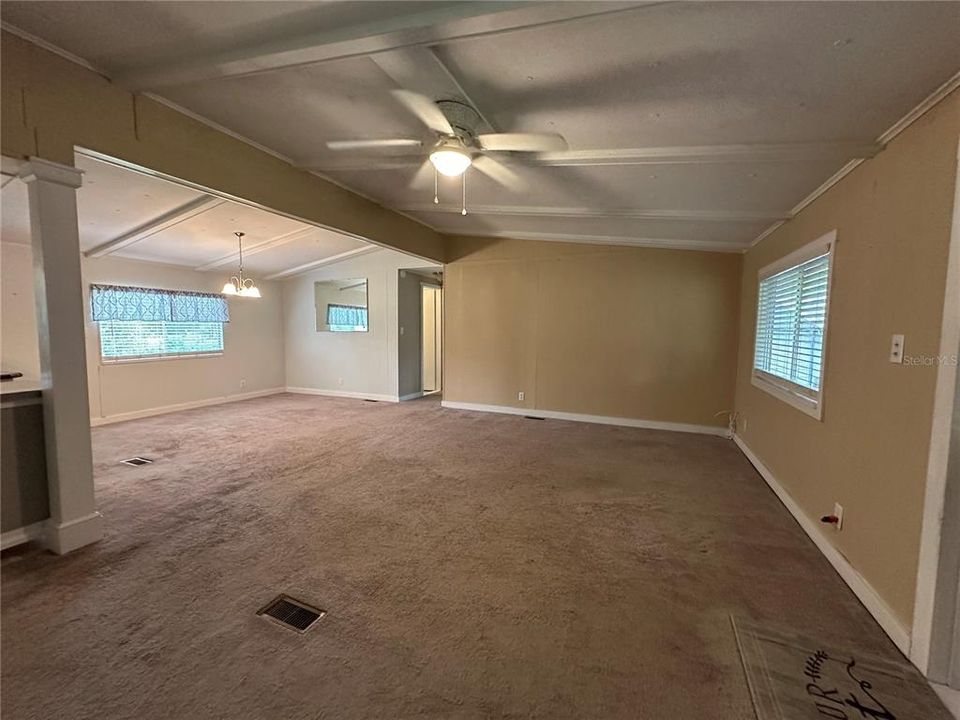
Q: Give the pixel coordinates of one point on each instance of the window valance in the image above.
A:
(347, 315)
(118, 302)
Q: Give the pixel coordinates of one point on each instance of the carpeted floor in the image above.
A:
(472, 565)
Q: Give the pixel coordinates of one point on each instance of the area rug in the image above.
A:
(793, 677)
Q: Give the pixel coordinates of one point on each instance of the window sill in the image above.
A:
(784, 392)
(107, 362)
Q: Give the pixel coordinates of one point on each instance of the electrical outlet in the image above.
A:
(243, 383)
(340, 381)
(896, 349)
(401, 329)
(520, 395)
(838, 513)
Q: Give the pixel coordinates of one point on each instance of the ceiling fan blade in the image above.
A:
(363, 144)
(523, 142)
(499, 172)
(423, 177)
(425, 109)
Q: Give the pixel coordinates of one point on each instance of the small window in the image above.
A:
(793, 301)
(140, 323)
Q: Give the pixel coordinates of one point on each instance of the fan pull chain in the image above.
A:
(436, 193)
(463, 178)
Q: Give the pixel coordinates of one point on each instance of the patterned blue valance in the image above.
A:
(116, 302)
(347, 316)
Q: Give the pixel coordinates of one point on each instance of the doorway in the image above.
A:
(431, 338)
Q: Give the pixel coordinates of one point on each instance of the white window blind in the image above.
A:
(135, 339)
(792, 305)
(790, 323)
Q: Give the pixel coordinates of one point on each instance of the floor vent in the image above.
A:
(533, 417)
(291, 613)
(137, 461)
(369, 400)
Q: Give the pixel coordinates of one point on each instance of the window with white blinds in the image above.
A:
(793, 300)
(140, 339)
(140, 323)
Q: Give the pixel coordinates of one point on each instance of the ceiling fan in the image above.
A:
(458, 145)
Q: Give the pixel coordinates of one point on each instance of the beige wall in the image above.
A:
(50, 105)
(892, 215)
(253, 339)
(624, 332)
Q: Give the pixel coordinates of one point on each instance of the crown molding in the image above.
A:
(898, 127)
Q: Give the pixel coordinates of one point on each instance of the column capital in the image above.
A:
(49, 171)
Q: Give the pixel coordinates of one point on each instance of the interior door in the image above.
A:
(432, 335)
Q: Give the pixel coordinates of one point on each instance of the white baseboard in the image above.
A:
(412, 396)
(870, 598)
(343, 394)
(21, 535)
(581, 417)
(164, 409)
(67, 536)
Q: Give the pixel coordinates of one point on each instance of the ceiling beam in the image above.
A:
(444, 22)
(708, 154)
(584, 212)
(682, 155)
(273, 242)
(158, 224)
(297, 269)
(724, 246)
(421, 70)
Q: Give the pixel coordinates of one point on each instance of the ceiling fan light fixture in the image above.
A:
(450, 161)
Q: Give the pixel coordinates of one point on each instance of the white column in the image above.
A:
(58, 289)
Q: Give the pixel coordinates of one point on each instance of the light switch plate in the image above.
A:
(896, 349)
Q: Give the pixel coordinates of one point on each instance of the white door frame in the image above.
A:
(935, 637)
(439, 288)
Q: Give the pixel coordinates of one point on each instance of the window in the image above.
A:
(134, 339)
(792, 307)
(138, 323)
(346, 318)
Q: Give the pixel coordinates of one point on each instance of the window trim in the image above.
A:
(133, 359)
(807, 401)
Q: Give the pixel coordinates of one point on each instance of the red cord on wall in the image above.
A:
(831, 519)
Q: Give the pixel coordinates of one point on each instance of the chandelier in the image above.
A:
(238, 285)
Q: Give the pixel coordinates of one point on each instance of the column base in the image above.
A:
(67, 536)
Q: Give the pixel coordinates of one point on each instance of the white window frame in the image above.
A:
(131, 359)
(802, 398)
